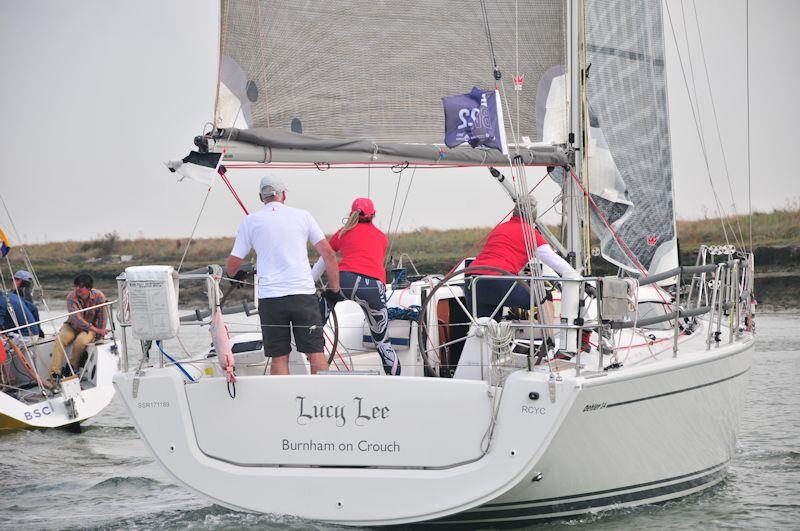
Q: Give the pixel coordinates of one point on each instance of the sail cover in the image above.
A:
(630, 166)
(377, 70)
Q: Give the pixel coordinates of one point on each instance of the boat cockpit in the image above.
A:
(586, 325)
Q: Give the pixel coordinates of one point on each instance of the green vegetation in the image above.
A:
(779, 227)
(431, 250)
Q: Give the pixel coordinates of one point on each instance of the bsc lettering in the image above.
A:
(36, 413)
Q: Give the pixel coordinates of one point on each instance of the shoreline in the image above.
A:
(776, 246)
(777, 279)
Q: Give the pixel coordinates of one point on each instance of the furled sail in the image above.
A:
(630, 158)
(374, 73)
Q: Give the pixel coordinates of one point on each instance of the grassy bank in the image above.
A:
(776, 238)
(779, 227)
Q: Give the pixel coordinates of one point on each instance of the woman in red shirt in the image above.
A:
(362, 247)
(506, 249)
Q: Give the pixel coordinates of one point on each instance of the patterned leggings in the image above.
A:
(370, 294)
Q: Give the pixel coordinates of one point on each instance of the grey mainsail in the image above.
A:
(363, 81)
(376, 71)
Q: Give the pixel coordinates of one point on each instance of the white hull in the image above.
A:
(659, 435)
(37, 411)
(648, 433)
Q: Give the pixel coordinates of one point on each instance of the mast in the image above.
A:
(573, 197)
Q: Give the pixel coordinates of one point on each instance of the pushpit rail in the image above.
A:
(199, 317)
(722, 290)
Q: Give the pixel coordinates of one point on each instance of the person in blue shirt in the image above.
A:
(25, 311)
(23, 284)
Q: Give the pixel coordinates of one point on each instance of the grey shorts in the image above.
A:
(299, 311)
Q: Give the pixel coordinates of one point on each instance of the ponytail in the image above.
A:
(351, 222)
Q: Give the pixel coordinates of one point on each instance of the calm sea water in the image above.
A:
(104, 478)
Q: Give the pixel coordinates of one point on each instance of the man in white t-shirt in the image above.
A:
(286, 291)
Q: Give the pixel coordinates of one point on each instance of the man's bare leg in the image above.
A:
(279, 365)
(318, 362)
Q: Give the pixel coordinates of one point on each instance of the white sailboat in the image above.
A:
(28, 399)
(487, 424)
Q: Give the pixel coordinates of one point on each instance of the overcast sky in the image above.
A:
(97, 94)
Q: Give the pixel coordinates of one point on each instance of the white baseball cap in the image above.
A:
(271, 185)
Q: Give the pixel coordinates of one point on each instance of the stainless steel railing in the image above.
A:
(722, 290)
(200, 317)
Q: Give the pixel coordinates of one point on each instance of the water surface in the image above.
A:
(104, 477)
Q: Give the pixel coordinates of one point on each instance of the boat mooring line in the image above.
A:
(678, 391)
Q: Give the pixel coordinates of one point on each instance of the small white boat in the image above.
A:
(28, 400)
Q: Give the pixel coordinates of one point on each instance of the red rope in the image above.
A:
(221, 173)
(339, 354)
(607, 224)
(618, 237)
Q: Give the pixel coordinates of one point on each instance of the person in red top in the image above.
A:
(505, 249)
(362, 276)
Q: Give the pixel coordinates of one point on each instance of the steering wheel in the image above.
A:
(424, 339)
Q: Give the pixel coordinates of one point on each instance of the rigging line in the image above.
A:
(23, 249)
(739, 241)
(720, 209)
(747, 83)
(510, 122)
(231, 188)
(196, 222)
(391, 217)
(26, 258)
(400, 216)
(516, 56)
(488, 31)
(535, 186)
(525, 213)
(208, 192)
(716, 122)
(616, 235)
(691, 68)
(587, 238)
